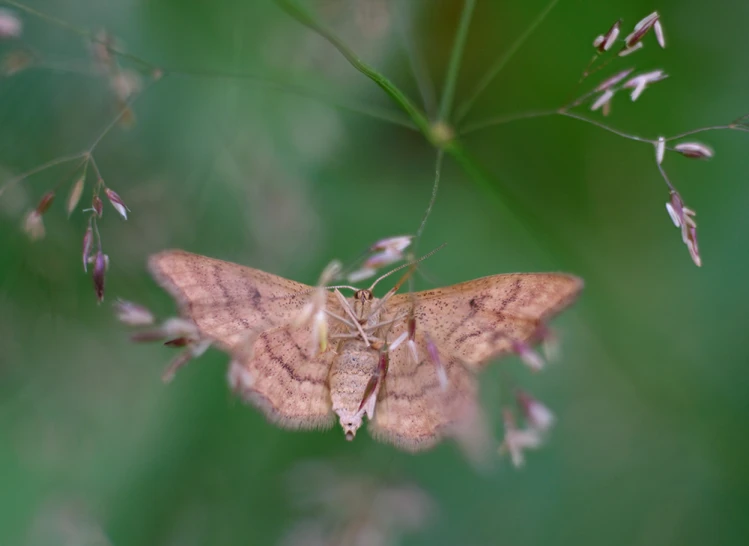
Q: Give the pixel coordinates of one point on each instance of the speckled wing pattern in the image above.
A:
(412, 411)
(284, 379)
(247, 313)
(227, 302)
(469, 324)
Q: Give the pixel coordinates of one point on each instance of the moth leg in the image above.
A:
(350, 313)
(338, 317)
(380, 304)
(356, 336)
(344, 336)
(387, 322)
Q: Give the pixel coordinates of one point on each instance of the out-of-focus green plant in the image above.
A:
(165, 487)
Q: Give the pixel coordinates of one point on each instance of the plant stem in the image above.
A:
(418, 67)
(39, 168)
(290, 87)
(497, 67)
(514, 205)
(305, 18)
(501, 120)
(433, 198)
(605, 127)
(448, 92)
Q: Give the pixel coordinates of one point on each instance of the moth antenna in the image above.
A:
(397, 286)
(400, 282)
(340, 287)
(407, 275)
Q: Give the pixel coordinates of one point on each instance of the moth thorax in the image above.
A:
(349, 375)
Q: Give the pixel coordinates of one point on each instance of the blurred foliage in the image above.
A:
(651, 393)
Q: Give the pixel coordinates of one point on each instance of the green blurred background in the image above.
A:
(651, 392)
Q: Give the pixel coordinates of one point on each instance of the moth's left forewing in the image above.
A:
(229, 303)
(478, 320)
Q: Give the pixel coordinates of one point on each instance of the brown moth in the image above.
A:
(304, 355)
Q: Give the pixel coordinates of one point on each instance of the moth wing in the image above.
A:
(469, 324)
(415, 412)
(282, 377)
(228, 302)
(479, 320)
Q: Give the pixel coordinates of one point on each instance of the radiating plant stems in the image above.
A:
(497, 67)
(453, 68)
(502, 120)
(305, 18)
(419, 69)
(382, 114)
(510, 203)
(289, 87)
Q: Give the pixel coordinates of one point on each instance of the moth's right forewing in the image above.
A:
(227, 302)
(413, 411)
(283, 377)
(478, 320)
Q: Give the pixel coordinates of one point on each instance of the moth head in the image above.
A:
(363, 295)
(362, 298)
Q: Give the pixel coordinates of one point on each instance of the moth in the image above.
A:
(306, 355)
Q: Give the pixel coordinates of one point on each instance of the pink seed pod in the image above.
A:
(695, 150)
(516, 441)
(683, 217)
(629, 50)
(74, 197)
(613, 80)
(88, 242)
(33, 225)
(536, 414)
(97, 205)
(396, 244)
(640, 82)
(689, 235)
(10, 25)
(659, 34)
(179, 362)
(604, 99)
(369, 391)
(529, 357)
(641, 29)
(132, 314)
(45, 202)
(100, 268)
(117, 202)
(439, 366)
(177, 342)
(660, 150)
(605, 41)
